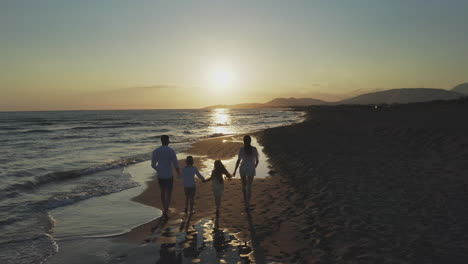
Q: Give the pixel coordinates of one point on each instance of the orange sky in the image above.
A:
(159, 54)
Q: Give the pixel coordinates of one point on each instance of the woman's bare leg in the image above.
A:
(244, 191)
(248, 189)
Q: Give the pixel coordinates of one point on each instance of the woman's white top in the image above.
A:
(188, 175)
(248, 161)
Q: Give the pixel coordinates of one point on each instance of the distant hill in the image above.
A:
(402, 96)
(393, 96)
(278, 102)
(461, 88)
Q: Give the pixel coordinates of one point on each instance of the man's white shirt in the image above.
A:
(162, 161)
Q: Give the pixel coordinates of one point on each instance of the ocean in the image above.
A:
(51, 160)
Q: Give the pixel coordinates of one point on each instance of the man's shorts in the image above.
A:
(166, 183)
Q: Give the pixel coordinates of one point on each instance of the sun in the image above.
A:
(222, 77)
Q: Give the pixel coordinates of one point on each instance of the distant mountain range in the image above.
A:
(278, 102)
(462, 88)
(402, 96)
(392, 96)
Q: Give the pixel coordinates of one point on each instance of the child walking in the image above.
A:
(188, 175)
(217, 182)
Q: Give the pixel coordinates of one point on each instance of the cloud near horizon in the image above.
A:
(159, 96)
(136, 89)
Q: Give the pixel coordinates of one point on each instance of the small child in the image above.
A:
(217, 182)
(188, 175)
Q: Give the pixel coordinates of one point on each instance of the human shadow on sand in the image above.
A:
(257, 249)
(203, 242)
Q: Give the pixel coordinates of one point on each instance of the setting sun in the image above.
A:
(221, 77)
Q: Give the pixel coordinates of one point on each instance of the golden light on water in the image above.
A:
(221, 121)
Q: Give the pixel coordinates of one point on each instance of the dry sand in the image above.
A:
(385, 185)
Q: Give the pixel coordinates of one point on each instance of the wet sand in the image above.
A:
(233, 218)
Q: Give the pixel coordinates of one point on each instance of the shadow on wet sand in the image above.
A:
(203, 242)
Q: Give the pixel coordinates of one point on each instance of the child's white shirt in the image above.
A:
(188, 175)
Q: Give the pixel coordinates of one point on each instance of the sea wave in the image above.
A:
(216, 135)
(20, 214)
(9, 128)
(37, 131)
(67, 137)
(83, 193)
(96, 127)
(24, 251)
(67, 175)
(9, 220)
(112, 125)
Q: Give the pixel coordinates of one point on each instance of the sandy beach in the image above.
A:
(352, 184)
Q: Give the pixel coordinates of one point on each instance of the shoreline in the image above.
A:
(235, 230)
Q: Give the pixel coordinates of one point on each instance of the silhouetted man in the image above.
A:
(163, 160)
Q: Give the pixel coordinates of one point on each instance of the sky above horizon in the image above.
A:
(64, 54)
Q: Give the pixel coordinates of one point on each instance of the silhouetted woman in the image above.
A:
(248, 160)
(217, 182)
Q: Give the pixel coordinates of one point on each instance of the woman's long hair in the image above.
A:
(247, 145)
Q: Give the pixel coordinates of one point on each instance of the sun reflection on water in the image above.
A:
(221, 121)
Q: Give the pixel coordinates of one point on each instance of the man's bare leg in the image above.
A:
(163, 200)
(168, 200)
